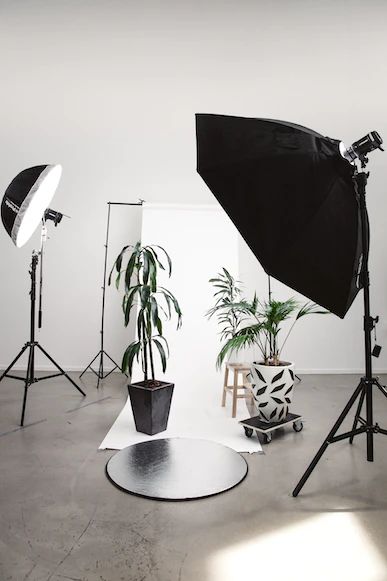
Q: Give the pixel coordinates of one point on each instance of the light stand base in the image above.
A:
(100, 373)
(30, 378)
(363, 392)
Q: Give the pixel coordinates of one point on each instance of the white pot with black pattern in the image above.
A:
(272, 387)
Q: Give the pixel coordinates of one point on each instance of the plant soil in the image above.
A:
(272, 364)
(150, 383)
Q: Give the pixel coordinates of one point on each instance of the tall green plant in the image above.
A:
(153, 302)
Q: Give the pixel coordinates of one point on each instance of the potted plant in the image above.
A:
(272, 378)
(150, 398)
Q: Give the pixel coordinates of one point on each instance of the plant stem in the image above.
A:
(151, 359)
(145, 357)
(287, 336)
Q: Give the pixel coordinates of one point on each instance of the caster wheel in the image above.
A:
(267, 438)
(248, 432)
(297, 426)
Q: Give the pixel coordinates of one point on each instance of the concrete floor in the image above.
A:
(62, 519)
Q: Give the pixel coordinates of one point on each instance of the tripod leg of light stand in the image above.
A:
(370, 422)
(90, 364)
(60, 369)
(382, 388)
(101, 374)
(100, 369)
(328, 439)
(357, 415)
(112, 360)
(28, 381)
(13, 362)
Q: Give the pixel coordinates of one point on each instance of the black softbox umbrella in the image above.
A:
(291, 195)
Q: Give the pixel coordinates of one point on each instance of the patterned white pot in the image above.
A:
(272, 387)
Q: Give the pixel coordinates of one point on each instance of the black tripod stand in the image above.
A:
(364, 390)
(31, 345)
(100, 373)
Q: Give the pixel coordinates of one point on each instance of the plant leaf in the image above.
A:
(128, 357)
(167, 257)
(162, 354)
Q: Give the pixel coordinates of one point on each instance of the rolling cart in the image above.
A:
(254, 424)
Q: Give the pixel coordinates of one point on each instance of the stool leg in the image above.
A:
(248, 392)
(224, 386)
(235, 393)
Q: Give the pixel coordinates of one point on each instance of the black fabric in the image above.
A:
(16, 193)
(291, 196)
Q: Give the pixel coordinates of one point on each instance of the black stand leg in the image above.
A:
(62, 372)
(329, 439)
(31, 345)
(100, 373)
(27, 384)
(358, 414)
(14, 361)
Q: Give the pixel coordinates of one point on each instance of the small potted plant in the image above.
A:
(272, 378)
(150, 398)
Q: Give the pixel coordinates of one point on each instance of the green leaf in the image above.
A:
(246, 337)
(118, 278)
(145, 292)
(128, 357)
(145, 268)
(129, 302)
(311, 309)
(155, 316)
(167, 256)
(148, 320)
(153, 251)
(159, 337)
(118, 262)
(140, 323)
(230, 278)
(129, 270)
(162, 354)
(152, 271)
(168, 302)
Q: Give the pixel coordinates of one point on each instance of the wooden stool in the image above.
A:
(238, 369)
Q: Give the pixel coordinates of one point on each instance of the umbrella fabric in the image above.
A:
(291, 195)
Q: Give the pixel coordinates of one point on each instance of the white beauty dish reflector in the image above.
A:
(26, 200)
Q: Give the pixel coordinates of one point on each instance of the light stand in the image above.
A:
(364, 390)
(24, 206)
(101, 353)
(31, 345)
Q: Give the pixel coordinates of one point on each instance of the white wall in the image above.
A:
(110, 88)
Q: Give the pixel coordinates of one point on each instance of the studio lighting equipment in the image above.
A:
(101, 373)
(361, 148)
(23, 208)
(299, 201)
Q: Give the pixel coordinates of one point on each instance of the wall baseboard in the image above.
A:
(326, 371)
(69, 368)
(357, 371)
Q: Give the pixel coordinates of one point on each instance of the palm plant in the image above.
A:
(227, 293)
(267, 318)
(141, 290)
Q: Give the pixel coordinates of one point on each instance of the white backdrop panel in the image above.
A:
(200, 240)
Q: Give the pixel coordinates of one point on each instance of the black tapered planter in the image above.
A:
(151, 406)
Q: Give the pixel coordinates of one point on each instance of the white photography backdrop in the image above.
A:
(200, 240)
